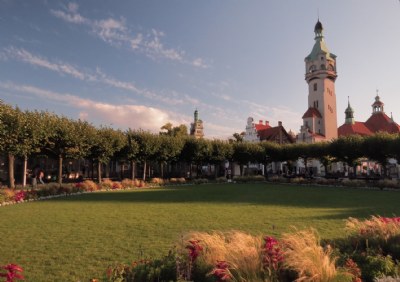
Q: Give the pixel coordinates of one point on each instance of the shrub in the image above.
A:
(157, 181)
(387, 279)
(221, 179)
(376, 266)
(163, 269)
(31, 194)
(353, 183)
(88, 185)
(278, 179)
(387, 183)
(246, 179)
(7, 195)
(200, 181)
(116, 185)
(106, 184)
(299, 180)
(180, 180)
(128, 183)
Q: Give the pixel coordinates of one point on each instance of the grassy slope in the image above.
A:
(76, 238)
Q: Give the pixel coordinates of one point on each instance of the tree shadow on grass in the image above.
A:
(362, 202)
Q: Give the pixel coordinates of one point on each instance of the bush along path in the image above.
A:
(370, 253)
(54, 190)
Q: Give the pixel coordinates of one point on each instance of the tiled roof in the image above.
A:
(381, 122)
(356, 128)
(260, 126)
(270, 134)
(312, 112)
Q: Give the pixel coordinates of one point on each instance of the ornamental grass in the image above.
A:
(304, 254)
(374, 228)
(242, 252)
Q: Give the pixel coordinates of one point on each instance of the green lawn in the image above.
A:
(76, 238)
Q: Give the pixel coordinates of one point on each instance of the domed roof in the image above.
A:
(318, 26)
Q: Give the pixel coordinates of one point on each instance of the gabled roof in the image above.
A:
(260, 126)
(381, 122)
(270, 134)
(352, 129)
(312, 112)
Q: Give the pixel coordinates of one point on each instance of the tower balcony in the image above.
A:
(321, 74)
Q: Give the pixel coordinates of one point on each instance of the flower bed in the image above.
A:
(297, 256)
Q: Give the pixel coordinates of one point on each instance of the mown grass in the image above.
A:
(76, 238)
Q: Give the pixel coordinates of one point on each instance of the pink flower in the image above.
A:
(20, 196)
(12, 274)
(194, 249)
(221, 271)
(273, 257)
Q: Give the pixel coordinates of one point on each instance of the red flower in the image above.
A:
(221, 271)
(194, 249)
(12, 274)
(273, 257)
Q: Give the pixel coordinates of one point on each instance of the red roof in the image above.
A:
(270, 134)
(381, 122)
(312, 112)
(260, 126)
(356, 128)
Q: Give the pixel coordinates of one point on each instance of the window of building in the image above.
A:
(315, 87)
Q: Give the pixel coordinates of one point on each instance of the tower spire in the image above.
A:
(349, 112)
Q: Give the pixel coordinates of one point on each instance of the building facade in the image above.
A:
(320, 119)
(377, 122)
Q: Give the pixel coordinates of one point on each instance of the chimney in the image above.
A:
(260, 121)
(266, 122)
(279, 123)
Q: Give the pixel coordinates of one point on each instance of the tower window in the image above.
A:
(323, 67)
(315, 87)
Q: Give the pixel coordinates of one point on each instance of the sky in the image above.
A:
(141, 64)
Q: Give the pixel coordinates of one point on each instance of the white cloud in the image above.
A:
(116, 32)
(121, 116)
(170, 98)
(199, 63)
(27, 57)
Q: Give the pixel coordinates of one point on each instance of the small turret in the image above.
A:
(377, 106)
(349, 113)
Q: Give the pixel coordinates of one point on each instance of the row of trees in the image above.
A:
(27, 133)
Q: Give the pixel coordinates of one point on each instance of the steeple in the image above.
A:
(318, 30)
(349, 113)
(377, 106)
(196, 115)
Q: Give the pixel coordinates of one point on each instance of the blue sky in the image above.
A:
(141, 64)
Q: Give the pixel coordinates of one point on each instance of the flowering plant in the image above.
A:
(12, 272)
(272, 258)
(221, 271)
(19, 196)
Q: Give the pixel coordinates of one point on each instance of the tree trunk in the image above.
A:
(121, 174)
(144, 170)
(241, 170)
(11, 179)
(60, 162)
(24, 171)
(162, 170)
(99, 172)
(133, 166)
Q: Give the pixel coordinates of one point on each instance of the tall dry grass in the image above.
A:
(376, 227)
(304, 254)
(240, 250)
